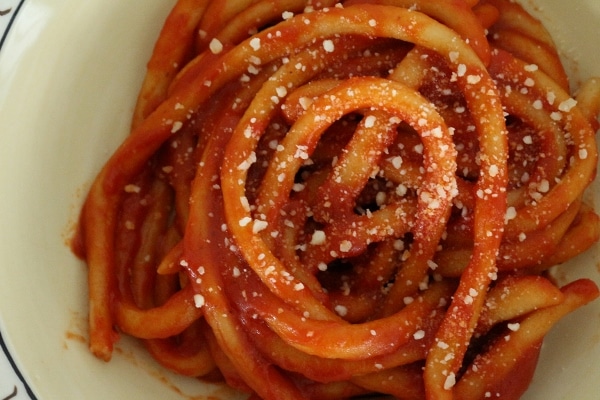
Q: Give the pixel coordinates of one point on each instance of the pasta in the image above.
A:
(322, 200)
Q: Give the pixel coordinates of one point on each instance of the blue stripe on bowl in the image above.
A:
(8, 13)
(13, 385)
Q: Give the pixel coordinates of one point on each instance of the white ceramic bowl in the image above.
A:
(69, 74)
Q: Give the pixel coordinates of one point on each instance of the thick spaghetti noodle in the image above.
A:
(324, 200)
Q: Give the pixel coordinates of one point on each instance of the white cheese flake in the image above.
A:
(255, 43)
(397, 162)
(556, 116)
(247, 163)
(198, 300)
(328, 45)
(301, 152)
(450, 381)
(531, 68)
(370, 121)
(432, 265)
(281, 91)
(259, 225)
(473, 79)
(345, 246)
(514, 327)
(418, 335)
(341, 310)
(131, 188)
(305, 102)
(245, 221)
(177, 125)
(245, 203)
(215, 46)
(270, 270)
(318, 238)
(511, 213)
(567, 105)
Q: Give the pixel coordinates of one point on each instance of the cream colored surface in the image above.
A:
(69, 74)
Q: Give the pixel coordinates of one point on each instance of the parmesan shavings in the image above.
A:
(215, 46)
